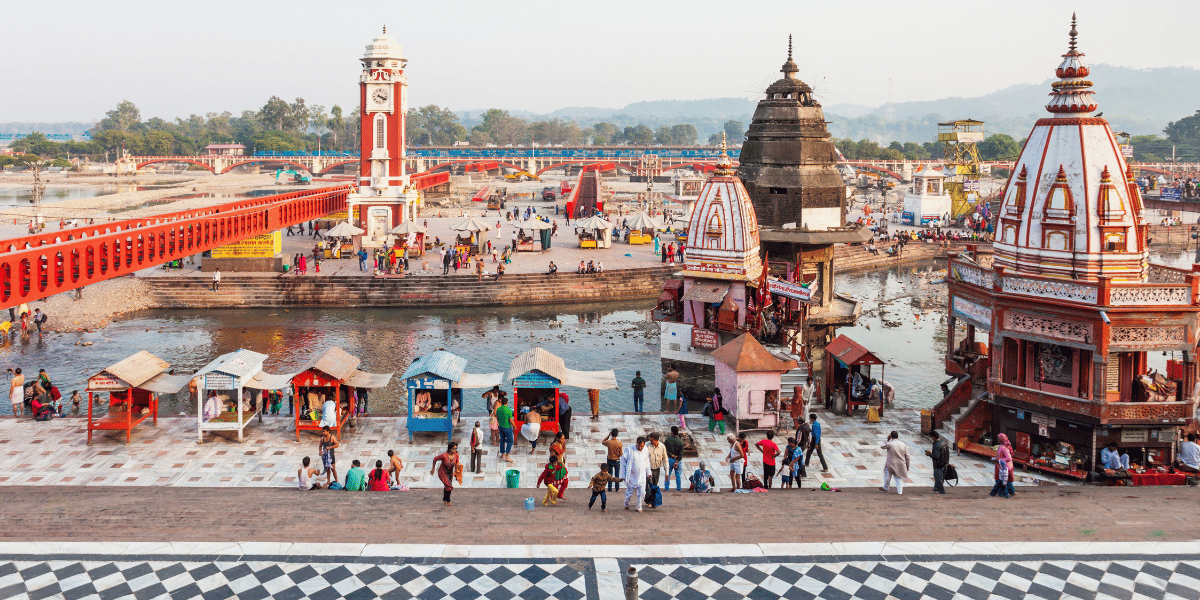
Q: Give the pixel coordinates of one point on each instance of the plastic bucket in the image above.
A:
(512, 478)
(529, 504)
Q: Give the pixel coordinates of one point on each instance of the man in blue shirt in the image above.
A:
(816, 444)
(1112, 458)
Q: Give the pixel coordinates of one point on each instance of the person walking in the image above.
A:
(658, 457)
(615, 451)
(599, 483)
(450, 468)
(504, 421)
(477, 449)
(815, 445)
(216, 281)
(940, 453)
(802, 396)
(897, 463)
(715, 411)
(39, 319)
(639, 393)
(1003, 467)
(635, 464)
(674, 446)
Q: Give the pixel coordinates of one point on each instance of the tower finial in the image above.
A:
(789, 46)
(1073, 32)
(385, 30)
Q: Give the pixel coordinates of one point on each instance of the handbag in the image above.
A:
(950, 473)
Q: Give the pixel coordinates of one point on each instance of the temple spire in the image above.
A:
(1074, 33)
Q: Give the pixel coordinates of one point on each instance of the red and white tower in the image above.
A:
(385, 197)
(382, 103)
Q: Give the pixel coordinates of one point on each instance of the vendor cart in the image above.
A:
(225, 400)
(849, 359)
(133, 386)
(537, 377)
(331, 374)
(435, 383)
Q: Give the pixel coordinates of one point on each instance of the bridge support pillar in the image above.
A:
(906, 172)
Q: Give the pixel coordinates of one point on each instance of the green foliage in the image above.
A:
(1186, 129)
(1000, 146)
(640, 135)
(605, 133)
(735, 132)
(432, 126)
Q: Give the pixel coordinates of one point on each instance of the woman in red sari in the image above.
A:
(377, 480)
(449, 466)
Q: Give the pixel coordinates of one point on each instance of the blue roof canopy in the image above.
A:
(440, 363)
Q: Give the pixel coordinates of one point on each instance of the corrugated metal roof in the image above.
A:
(446, 365)
(138, 369)
(334, 362)
(539, 359)
(851, 352)
(268, 381)
(363, 379)
(746, 355)
(165, 384)
(239, 363)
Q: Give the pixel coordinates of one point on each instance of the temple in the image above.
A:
(1066, 317)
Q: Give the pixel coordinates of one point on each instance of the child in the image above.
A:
(791, 464)
(397, 465)
(553, 475)
(599, 482)
(75, 400)
(477, 449)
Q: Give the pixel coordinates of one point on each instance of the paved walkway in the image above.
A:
(56, 452)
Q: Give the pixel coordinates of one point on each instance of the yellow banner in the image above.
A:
(259, 246)
(338, 216)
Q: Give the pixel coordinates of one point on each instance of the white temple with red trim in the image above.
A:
(1066, 320)
(723, 230)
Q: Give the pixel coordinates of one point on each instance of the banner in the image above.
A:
(788, 289)
(105, 383)
(259, 246)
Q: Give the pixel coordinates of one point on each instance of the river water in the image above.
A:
(903, 322)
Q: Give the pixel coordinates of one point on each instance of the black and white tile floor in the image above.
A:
(571, 573)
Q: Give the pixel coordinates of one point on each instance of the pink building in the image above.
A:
(749, 379)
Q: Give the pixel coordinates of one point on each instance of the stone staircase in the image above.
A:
(269, 290)
(793, 378)
(858, 258)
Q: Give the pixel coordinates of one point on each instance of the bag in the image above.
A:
(950, 473)
(752, 482)
(335, 486)
(707, 412)
(654, 496)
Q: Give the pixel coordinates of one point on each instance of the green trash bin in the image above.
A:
(513, 478)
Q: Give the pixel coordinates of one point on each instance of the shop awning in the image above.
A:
(706, 292)
(166, 384)
(479, 381)
(851, 352)
(363, 379)
(267, 381)
(590, 380)
(537, 359)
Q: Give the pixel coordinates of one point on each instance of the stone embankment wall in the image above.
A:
(857, 258)
(264, 290)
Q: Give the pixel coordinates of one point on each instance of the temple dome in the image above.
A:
(723, 240)
(1071, 209)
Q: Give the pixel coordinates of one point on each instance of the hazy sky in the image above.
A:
(73, 60)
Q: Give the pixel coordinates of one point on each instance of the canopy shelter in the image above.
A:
(435, 383)
(475, 242)
(411, 236)
(536, 377)
(133, 386)
(539, 231)
(850, 371)
(593, 232)
(748, 376)
(343, 229)
(224, 400)
(641, 228)
(328, 388)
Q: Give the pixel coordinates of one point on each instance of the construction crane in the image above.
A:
(961, 160)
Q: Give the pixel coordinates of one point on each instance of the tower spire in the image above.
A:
(789, 69)
(789, 46)
(385, 30)
(1074, 33)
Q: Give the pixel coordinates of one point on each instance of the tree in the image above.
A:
(125, 117)
(641, 135)
(605, 133)
(500, 128)
(1184, 130)
(999, 146)
(715, 139)
(275, 113)
(335, 123)
(662, 135)
(684, 134)
(735, 132)
(914, 151)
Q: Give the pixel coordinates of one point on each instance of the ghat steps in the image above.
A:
(268, 290)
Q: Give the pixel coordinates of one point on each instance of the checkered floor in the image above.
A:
(255, 580)
(296, 577)
(875, 580)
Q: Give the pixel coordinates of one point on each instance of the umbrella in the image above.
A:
(643, 221)
(470, 224)
(534, 225)
(593, 222)
(343, 229)
(406, 228)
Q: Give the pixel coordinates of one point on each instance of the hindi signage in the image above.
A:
(704, 338)
(266, 245)
(218, 381)
(788, 289)
(105, 383)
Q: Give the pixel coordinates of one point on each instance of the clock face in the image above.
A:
(380, 96)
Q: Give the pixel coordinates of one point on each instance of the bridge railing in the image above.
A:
(37, 272)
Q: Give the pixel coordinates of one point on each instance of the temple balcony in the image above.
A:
(1100, 411)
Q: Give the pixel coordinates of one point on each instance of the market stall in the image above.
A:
(337, 242)
(330, 375)
(537, 377)
(593, 232)
(532, 235)
(435, 383)
(411, 237)
(133, 386)
(226, 396)
(641, 228)
(475, 240)
(849, 372)
(749, 375)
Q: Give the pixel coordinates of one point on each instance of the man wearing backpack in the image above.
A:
(39, 319)
(941, 458)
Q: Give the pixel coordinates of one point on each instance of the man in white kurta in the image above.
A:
(635, 467)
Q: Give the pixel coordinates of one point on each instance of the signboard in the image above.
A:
(1170, 194)
(105, 383)
(1043, 422)
(259, 246)
(788, 289)
(218, 381)
(704, 338)
(907, 218)
(1134, 435)
(1127, 151)
(339, 216)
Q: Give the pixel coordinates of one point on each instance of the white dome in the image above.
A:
(384, 47)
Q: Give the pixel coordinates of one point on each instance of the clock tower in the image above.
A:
(385, 197)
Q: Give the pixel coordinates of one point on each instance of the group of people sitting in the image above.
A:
(591, 267)
(357, 479)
